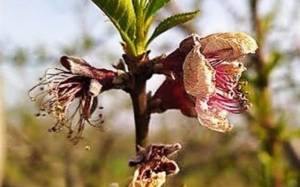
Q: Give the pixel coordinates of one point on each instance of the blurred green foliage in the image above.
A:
(258, 153)
(37, 158)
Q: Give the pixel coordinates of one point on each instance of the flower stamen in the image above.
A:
(71, 95)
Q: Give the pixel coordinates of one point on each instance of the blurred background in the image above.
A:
(262, 150)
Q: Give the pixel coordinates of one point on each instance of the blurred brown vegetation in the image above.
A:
(263, 150)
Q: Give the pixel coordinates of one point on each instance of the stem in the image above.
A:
(138, 92)
(138, 89)
(271, 144)
(141, 115)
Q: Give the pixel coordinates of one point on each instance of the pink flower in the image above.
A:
(71, 95)
(210, 74)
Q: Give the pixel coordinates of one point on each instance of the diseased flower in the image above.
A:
(154, 180)
(70, 94)
(210, 75)
(153, 165)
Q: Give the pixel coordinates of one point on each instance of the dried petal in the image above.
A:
(153, 164)
(188, 43)
(155, 180)
(154, 151)
(198, 74)
(76, 65)
(227, 46)
(95, 87)
(70, 95)
(172, 64)
(212, 117)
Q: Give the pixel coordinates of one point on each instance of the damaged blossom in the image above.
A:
(207, 72)
(70, 94)
(153, 165)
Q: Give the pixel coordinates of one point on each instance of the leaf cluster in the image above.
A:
(133, 19)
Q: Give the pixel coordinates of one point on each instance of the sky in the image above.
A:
(32, 22)
(28, 23)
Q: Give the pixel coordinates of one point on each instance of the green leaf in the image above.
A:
(172, 22)
(121, 13)
(154, 6)
(136, 4)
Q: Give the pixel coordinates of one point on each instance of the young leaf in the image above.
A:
(172, 22)
(154, 6)
(121, 13)
(136, 5)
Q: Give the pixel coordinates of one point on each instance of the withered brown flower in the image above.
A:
(207, 72)
(153, 165)
(70, 94)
